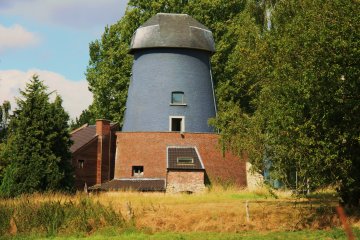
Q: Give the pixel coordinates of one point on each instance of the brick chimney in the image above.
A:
(103, 148)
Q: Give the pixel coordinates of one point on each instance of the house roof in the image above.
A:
(176, 152)
(171, 30)
(132, 184)
(81, 137)
(84, 135)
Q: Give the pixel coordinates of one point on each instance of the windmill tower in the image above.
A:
(171, 87)
(166, 142)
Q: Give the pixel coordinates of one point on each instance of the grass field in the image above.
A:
(217, 214)
(113, 234)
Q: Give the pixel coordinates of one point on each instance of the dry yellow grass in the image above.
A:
(216, 210)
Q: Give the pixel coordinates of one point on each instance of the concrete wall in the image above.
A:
(158, 72)
(149, 150)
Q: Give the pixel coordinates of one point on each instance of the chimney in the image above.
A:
(103, 146)
(102, 127)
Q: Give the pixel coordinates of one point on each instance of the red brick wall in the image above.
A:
(88, 172)
(103, 159)
(112, 152)
(148, 149)
(102, 127)
(185, 177)
(103, 150)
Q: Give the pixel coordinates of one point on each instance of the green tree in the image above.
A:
(4, 121)
(86, 117)
(302, 85)
(37, 152)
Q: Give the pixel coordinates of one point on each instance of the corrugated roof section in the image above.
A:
(176, 153)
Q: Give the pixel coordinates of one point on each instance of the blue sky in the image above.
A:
(51, 38)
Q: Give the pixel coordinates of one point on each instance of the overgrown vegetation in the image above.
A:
(51, 217)
(218, 212)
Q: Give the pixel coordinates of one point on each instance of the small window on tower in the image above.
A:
(81, 163)
(177, 98)
(138, 171)
(177, 124)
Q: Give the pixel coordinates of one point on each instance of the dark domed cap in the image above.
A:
(168, 30)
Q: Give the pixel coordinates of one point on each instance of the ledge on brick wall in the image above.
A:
(131, 184)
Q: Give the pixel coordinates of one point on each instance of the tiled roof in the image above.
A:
(132, 184)
(173, 153)
(82, 136)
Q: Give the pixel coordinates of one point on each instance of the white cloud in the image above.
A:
(16, 37)
(71, 13)
(75, 94)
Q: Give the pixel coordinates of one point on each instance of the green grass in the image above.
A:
(114, 234)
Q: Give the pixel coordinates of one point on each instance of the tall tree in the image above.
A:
(86, 117)
(37, 149)
(4, 119)
(303, 89)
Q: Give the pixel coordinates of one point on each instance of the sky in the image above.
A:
(51, 38)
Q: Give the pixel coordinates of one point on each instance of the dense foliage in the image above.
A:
(302, 80)
(86, 117)
(36, 153)
(286, 79)
(4, 121)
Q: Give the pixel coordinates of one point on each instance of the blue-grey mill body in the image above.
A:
(171, 54)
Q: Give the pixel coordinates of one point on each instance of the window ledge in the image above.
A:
(178, 104)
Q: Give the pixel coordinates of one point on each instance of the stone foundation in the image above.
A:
(254, 180)
(185, 181)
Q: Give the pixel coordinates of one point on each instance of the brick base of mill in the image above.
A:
(145, 155)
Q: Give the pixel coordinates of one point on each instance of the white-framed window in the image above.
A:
(137, 171)
(177, 124)
(185, 160)
(177, 98)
